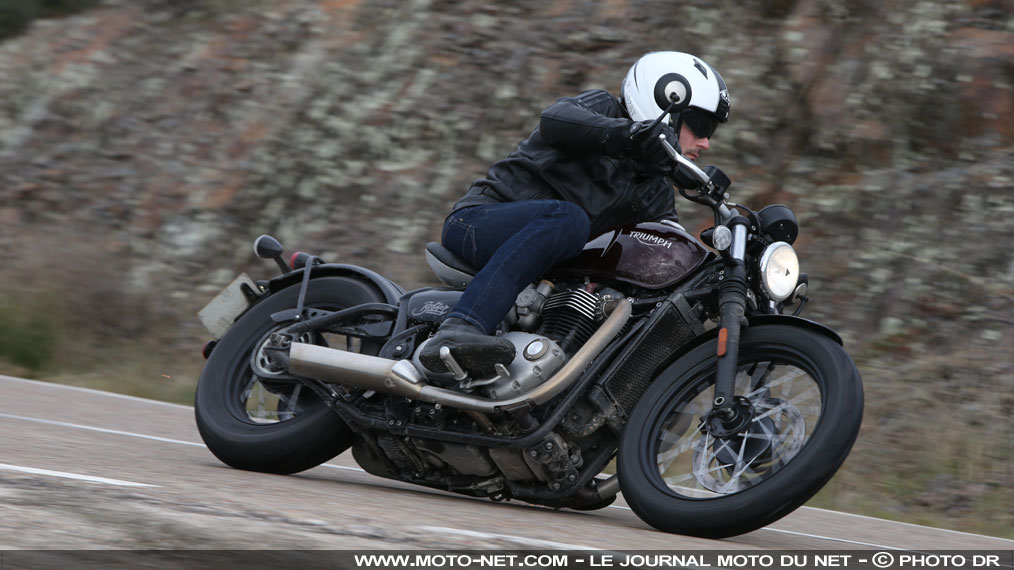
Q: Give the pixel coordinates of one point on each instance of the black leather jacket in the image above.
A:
(575, 154)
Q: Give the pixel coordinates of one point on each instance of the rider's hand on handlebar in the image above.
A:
(683, 178)
(646, 148)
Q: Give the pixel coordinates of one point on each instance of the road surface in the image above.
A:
(83, 469)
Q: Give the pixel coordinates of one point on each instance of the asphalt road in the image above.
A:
(82, 469)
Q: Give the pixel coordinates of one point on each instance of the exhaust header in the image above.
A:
(402, 378)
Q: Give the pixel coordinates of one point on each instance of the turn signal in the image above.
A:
(208, 347)
(298, 259)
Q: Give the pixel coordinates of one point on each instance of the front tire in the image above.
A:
(273, 426)
(807, 401)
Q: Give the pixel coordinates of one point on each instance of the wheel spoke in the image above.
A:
(759, 374)
(790, 403)
(270, 395)
(293, 399)
(664, 460)
(726, 445)
(737, 478)
(786, 402)
(674, 480)
(765, 434)
(784, 381)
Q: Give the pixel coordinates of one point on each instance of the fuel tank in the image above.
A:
(651, 254)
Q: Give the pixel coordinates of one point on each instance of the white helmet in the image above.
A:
(663, 78)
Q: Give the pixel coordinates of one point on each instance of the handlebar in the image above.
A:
(700, 174)
(723, 212)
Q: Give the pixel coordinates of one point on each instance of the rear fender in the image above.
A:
(389, 289)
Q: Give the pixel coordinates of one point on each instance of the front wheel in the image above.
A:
(804, 400)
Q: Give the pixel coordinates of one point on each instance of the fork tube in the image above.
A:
(732, 317)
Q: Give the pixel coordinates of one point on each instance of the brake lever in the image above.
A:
(707, 188)
(683, 161)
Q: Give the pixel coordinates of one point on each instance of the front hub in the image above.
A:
(727, 422)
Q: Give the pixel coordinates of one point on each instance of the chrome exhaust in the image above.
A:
(402, 378)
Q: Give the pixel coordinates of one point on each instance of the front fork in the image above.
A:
(731, 414)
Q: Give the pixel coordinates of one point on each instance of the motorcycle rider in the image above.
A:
(594, 162)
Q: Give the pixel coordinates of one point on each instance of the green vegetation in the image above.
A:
(17, 15)
(29, 332)
(94, 339)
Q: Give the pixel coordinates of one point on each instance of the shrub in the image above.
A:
(28, 333)
(16, 15)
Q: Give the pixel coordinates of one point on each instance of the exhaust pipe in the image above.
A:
(402, 378)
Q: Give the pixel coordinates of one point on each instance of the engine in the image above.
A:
(554, 324)
(568, 316)
(547, 326)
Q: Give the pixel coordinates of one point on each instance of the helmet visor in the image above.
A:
(702, 123)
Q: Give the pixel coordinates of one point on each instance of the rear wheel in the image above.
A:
(253, 421)
(803, 398)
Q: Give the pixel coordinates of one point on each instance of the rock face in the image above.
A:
(144, 144)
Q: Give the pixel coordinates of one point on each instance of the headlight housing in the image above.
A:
(779, 271)
(779, 222)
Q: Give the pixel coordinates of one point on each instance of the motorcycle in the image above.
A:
(676, 357)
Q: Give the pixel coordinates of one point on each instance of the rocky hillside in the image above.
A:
(145, 144)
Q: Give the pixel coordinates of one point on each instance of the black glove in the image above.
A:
(683, 178)
(646, 148)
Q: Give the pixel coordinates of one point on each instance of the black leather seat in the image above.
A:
(448, 267)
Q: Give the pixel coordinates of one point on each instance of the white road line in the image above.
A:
(845, 540)
(332, 466)
(343, 467)
(93, 391)
(98, 429)
(508, 537)
(869, 518)
(65, 475)
(137, 435)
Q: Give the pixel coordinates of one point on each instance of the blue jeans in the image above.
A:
(512, 244)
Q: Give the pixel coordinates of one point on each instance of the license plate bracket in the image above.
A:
(218, 315)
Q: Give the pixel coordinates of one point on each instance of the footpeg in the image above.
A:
(451, 364)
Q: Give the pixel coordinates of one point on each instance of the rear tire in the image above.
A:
(307, 432)
(809, 402)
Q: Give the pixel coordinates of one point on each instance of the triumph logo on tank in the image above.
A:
(649, 239)
(435, 308)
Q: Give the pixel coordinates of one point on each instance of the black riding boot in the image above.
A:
(475, 351)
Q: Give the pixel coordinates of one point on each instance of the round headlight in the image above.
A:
(779, 271)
